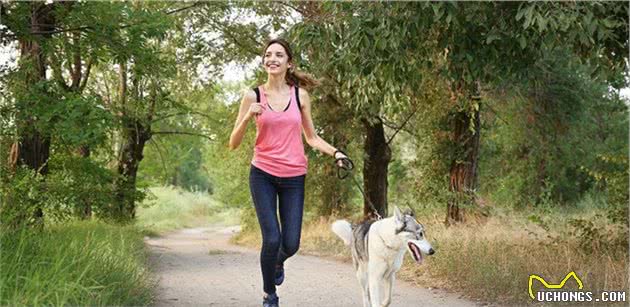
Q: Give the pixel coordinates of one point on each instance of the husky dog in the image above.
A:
(377, 250)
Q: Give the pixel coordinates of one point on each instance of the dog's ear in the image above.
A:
(410, 212)
(397, 214)
(399, 220)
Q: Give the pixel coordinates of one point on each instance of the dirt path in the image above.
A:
(199, 267)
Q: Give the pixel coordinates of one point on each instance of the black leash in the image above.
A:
(345, 170)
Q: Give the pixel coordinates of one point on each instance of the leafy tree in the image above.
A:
(551, 129)
(376, 85)
(79, 36)
(489, 43)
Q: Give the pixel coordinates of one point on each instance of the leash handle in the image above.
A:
(346, 166)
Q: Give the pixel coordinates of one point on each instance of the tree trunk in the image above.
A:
(377, 158)
(463, 172)
(34, 151)
(135, 137)
(34, 146)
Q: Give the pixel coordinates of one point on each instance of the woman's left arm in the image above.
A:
(309, 128)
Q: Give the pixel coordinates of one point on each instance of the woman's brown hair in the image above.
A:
(293, 76)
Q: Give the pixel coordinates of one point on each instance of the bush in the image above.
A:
(62, 195)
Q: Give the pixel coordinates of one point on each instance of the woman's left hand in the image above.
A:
(340, 155)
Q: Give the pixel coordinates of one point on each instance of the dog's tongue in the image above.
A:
(417, 255)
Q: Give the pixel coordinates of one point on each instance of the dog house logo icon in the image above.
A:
(553, 286)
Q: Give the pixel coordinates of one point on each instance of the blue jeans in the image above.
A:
(280, 240)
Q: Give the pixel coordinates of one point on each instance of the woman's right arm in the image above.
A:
(244, 115)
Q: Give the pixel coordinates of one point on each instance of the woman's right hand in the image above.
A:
(255, 109)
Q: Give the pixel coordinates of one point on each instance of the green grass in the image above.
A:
(90, 263)
(172, 208)
(79, 263)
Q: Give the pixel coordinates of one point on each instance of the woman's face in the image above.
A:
(275, 60)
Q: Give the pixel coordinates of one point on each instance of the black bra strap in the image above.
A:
(297, 98)
(257, 94)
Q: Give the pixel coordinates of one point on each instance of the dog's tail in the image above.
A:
(343, 229)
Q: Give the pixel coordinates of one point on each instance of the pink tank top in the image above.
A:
(279, 150)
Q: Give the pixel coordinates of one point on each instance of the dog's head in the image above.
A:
(412, 233)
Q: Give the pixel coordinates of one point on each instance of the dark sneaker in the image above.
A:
(279, 275)
(271, 300)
